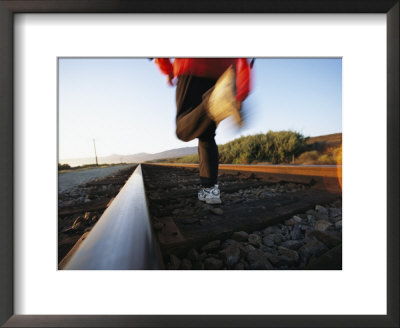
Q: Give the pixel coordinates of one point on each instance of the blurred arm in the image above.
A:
(166, 68)
(164, 65)
(242, 79)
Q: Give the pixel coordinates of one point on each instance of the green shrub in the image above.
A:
(275, 147)
(63, 167)
(337, 155)
(308, 157)
(325, 159)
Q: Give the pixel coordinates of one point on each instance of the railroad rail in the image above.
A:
(331, 171)
(156, 219)
(122, 239)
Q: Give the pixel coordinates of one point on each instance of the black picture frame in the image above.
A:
(10, 7)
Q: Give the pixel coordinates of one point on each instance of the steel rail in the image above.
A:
(329, 171)
(122, 239)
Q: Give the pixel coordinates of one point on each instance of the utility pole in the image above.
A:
(95, 153)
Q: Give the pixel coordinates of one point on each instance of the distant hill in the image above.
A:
(135, 158)
(323, 143)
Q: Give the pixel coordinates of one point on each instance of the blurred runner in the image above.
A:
(208, 91)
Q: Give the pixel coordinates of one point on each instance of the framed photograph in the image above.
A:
(40, 40)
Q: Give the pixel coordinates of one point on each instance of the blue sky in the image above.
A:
(127, 106)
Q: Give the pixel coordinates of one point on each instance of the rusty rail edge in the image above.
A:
(329, 171)
(122, 239)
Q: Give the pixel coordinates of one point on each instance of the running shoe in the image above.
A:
(210, 195)
(222, 101)
(202, 194)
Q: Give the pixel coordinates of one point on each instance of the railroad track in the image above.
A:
(277, 219)
(332, 171)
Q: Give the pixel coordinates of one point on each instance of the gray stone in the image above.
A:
(230, 242)
(305, 227)
(333, 212)
(273, 258)
(323, 216)
(296, 232)
(212, 246)
(292, 255)
(311, 212)
(297, 218)
(203, 256)
(312, 248)
(338, 224)
(322, 225)
(258, 260)
(240, 236)
(193, 255)
(246, 249)
(175, 262)
(290, 222)
(321, 210)
(186, 264)
(245, 263)
(282, 261)
(212, 263)
(268, 241)
(331, 260)
(277, 238)
(254, 255)
(311, 219)
(286, 235)
(198, 266)
(266, 249)
(271, 230)
(230, 255)
(255, 240)
(330, 239)
(337, 218)
(239, 266)
(216, 211)
(293, 244)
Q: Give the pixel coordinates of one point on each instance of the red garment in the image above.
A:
(209, 67)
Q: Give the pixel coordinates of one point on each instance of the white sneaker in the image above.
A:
(222, 101)
(210, 195)
(202, 194)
